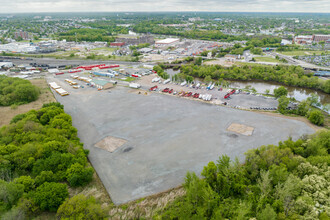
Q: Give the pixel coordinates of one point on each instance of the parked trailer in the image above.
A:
(54, 85)
(212, 86)
(74, 71)
(184, 83)
(167, 81)
(155, 79)
(113, 82)
(62, 92)
(134, 85)
(198, 85)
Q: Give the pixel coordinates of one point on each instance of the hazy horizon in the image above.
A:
(267, 6)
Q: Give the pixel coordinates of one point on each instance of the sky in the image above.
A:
(13, 6)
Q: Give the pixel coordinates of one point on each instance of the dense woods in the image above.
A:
(288, 181)
(286, 75)
(17, 91)
(40, 158)
(87, 34)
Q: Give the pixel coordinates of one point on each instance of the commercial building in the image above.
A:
(117, 44)
(303, 39)
(135, 40)
(318, 38)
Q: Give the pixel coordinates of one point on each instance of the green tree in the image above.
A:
(77, 175)
(207, 79)
(81, 207)
(49, 196)
(280, 91)
(316, 117)
(26, 181)
(303, 108)
(9, 194)
(267, 214)
(283, 103)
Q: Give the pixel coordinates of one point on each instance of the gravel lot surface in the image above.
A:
(166, 136)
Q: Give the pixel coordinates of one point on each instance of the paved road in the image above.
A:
(56, 62)
(166, 136)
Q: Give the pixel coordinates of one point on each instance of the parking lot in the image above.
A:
(163, 136)
(244, 101)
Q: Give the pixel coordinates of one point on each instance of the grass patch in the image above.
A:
(301, 52)
(128, 79)
(267, 59)
(111, 49)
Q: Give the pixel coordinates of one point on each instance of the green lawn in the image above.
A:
(128, 79)
(302, 53)
(111, 49)
(267, 59)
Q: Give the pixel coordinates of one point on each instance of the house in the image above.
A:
(232, 57)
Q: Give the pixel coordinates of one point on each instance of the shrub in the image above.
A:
(49, 196)
(280, 91)
(316, 117)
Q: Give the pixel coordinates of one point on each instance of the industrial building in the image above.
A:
(167, 42)
(117, 44)
(101, 84)
(135, 40)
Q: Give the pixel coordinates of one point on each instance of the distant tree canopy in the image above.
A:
(288, 181)
(87, 34)
(17, 91)
(40, 156)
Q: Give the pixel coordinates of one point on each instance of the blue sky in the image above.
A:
(12, 6)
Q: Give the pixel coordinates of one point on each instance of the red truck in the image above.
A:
(188, 94)
(166, 90)
(227, 96)
(196, 95)
(170, 91)
(153, 88)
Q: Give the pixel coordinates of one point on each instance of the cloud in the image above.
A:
(161, 5)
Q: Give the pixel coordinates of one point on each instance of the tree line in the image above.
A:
(17, 91)
(86, 34)
(41, 158)
(288, 181)
(287, 75)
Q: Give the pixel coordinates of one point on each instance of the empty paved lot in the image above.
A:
(166, 137)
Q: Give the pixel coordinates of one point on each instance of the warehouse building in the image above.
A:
(167, 42)
(101, 84)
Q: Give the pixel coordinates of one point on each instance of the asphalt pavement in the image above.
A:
(166, 136)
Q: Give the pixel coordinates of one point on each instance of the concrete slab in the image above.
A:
(166, 137)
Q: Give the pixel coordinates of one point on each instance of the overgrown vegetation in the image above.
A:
(17, 91)
(287, 75)
(41, 157)
(288, 181)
